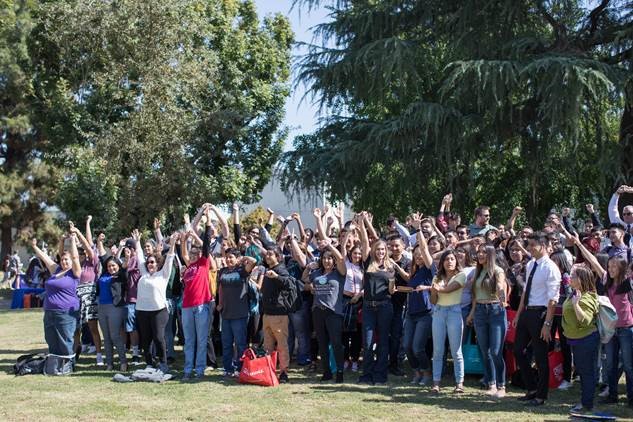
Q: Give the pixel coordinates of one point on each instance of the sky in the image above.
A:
(301, 116)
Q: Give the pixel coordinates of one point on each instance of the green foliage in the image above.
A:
(88, 189)
(258, 218)
(146, 107)
(502, 102)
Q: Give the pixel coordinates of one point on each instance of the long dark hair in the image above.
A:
(622, 266)
(489, 283)
(441, 272)
(560, 259)
(323, 255)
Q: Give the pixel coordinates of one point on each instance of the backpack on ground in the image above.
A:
(607, 319)
(30, 364)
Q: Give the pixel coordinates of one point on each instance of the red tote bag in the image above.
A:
(512, 331)
(259, 371)
(555, 360)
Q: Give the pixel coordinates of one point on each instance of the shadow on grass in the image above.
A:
(465, 402)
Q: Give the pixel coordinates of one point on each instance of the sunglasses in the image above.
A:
(151, 262)
(627, 213)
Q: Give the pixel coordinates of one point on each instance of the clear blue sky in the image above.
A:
(301, 116)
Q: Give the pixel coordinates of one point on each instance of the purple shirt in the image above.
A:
(61, 292)
(133, 276)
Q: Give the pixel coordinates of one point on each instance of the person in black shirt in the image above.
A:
(378, 285)
(398, 300)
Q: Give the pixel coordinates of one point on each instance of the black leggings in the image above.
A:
(352, 343)
(151, 327)
(329, 328)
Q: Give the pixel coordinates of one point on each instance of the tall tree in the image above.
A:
(504, 102)
(27, 181)
(167, 104)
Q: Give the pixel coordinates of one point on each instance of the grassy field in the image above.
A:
(90, 395)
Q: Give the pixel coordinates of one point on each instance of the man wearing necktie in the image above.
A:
(534, 317)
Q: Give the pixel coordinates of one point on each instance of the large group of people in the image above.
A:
(352, 288)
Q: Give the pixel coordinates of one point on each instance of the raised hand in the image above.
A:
(316, 213)
(416, 221)
(235, 206)
(156, 224)
(88, 219)
(517, 210)
(136, 235)
(590, 208)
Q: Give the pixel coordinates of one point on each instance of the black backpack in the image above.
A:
(30, 364)
(291, 297)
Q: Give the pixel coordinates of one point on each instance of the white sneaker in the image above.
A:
(605, 392)
(99, 359)
(354, 366)
(565, 385)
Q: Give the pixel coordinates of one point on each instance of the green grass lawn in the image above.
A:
(89, 394)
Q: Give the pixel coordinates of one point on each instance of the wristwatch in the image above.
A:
(548, 323)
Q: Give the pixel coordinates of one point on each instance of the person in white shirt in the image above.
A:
(534, 317)
(627, 213)
(151, 300)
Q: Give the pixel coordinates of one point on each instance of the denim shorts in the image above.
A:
(130, 320)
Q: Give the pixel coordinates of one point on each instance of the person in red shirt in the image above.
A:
(196, 298)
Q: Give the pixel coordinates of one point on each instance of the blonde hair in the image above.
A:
(374, 265)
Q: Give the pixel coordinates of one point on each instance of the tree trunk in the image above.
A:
(626, 143)
(6, 237)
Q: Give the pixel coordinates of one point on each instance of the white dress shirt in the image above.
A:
(546, 281)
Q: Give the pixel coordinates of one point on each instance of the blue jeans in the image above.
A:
(447, 320)
(195, 323)
(170, 327)
(59, 331)
(299, 327)
(417, 330)
(620, 347)
(490, 326)
(586, 352)
(376, 321)
(233, 330)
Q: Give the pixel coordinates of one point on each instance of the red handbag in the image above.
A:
(259, 370)
(512, 331)
(555, 360)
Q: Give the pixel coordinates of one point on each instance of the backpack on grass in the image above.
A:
(30, 364)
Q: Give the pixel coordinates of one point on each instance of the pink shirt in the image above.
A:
(89, 269)
(622, 306)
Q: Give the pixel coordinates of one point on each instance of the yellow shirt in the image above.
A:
(454, 297)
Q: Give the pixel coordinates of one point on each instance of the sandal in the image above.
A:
(435, 389)
(458, 390)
